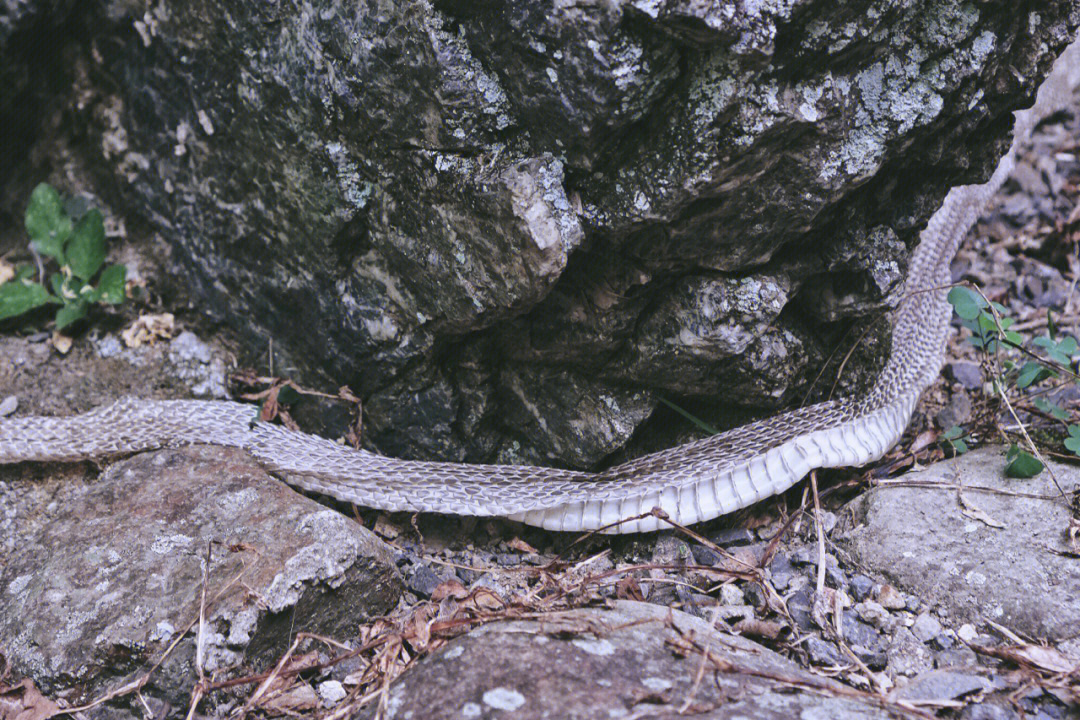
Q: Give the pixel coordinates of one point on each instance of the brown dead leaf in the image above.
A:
(25, 702)
(449, 588)
(923, 440)
(1039, 657)
(768, 629)
(385, 528)
(486, 599)
(61, 343)
(297, 699)
(522, 546)
(149, 329)
(628, 588)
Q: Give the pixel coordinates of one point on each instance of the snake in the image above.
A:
(688, 483)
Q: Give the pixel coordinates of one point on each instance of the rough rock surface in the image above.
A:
(1018, 576)
(695, 198)
(613, 663)
(109, 571)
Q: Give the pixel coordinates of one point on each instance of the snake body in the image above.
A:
(691, 483)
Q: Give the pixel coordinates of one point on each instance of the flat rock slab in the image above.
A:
(628, 661)
(108, 571)
(920, 538)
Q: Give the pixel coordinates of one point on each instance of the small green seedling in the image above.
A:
(1021, 464)
(957, 439)
(78, 249)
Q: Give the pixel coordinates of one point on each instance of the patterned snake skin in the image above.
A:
(691, 483)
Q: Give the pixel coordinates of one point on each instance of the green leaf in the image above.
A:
(25, 272)
(89, 293)
(1022, 465)
(112, 283)
(46, 222)
(986, 322)
(70, 313)
(966, 303)
(1001, 310)
(287, 395)
(952, 433)
(1052, 408)
(1014, 337)
(1031, 373)
(19, 297)
(1073, 441)
(56, 281)
(86, 251)
(959, 446)
(1051, 326)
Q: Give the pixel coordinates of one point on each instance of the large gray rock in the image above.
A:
(695, 198)
(1018, 575)
(109, 571)
(628, 661)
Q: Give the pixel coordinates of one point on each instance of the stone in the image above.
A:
(957, 412)
(548, 202)
(889, 597)
(860, 586)
(908, 656)
(730, 594)
(731, 537)
(960, 656)
(1018, 576)
(423, 580)
(873, 613)
(823, 652)
(968, 374)
(865, 641)
(331, 692)
(110, 571)
(781, 570)
(799, 606)
(9, 405)
(620, 660)
(941, 685)
(988, 711)
(926, 627)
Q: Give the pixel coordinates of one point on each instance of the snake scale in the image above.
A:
(693, 482)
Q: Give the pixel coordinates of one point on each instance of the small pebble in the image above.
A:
(967, 632)
(823, 652)
(730, 594)
(968, 374)
(781, 571)
(889, 597)
(423, 581)
(9, 405)
(332, 692)
(925, 627)
(732, 537)
(873, 613)
(943, 641)
(861, 587)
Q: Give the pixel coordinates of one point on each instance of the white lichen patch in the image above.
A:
(599, 647)
(502, 698)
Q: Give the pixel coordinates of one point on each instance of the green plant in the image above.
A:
(1043, 358)
(78, 248)
(957, 439)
